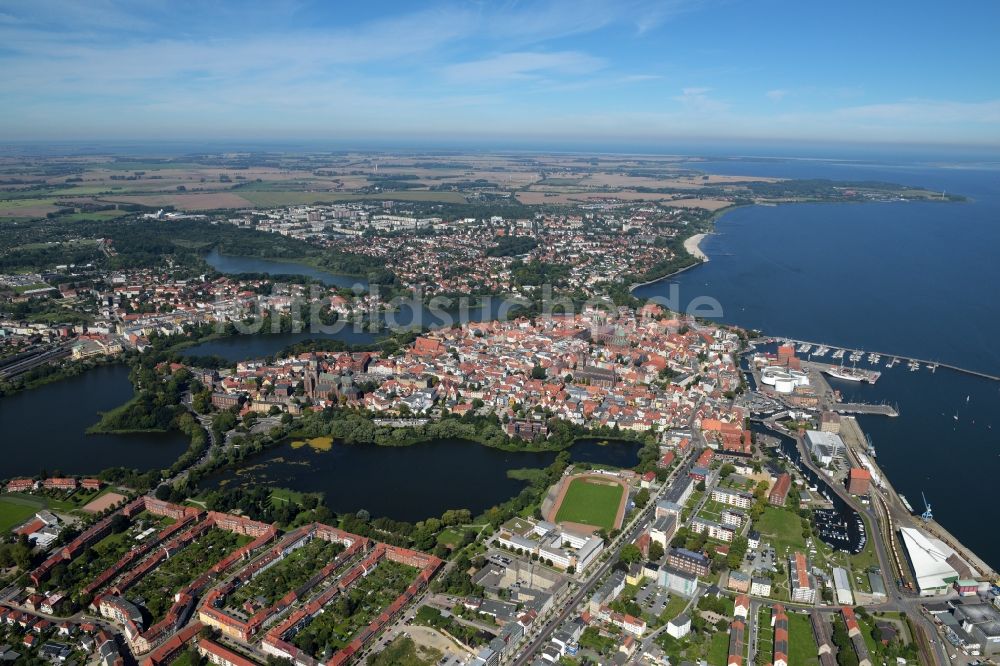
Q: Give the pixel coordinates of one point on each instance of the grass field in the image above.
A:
(674, 607)
(781, 528)
(96, 215)
(765, 636)
(14, 504)
(14, 512)
(591, 503)
(718, 649)
(801, 644)
(450, 537)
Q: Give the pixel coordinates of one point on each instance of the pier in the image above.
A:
(894, 358)
(856, 443)
(864, 408)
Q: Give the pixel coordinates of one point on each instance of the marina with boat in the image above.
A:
(876, 359)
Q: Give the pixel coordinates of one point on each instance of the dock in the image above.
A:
(856, 442)
(830, 400)
(894, 358)
(864, 408)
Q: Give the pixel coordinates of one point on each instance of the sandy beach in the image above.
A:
(691, 245)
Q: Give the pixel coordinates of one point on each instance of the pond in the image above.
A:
(44, 428)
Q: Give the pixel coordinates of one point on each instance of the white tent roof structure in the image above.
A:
(929, 558)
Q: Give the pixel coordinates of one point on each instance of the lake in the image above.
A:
(45, 428)
(243, 347)
(406, 313)
(229, 264)
(411, 482)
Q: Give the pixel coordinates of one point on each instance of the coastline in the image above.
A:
(692, 246)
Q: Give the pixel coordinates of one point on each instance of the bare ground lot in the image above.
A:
(103, 502)
(434, 639)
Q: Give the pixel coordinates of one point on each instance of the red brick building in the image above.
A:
(859, 481)
(779, 492)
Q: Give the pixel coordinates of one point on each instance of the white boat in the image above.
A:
(853, 374)
(845, 373)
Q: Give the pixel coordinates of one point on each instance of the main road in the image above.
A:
(635, 528)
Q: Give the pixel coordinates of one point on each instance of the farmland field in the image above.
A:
(591, 502)
(289, 198)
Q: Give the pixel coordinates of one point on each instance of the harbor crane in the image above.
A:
(927, 514)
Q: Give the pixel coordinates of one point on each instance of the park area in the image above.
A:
(593, 501)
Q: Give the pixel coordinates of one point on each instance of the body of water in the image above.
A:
(846, 518)
(243, 347)
(44, 428)
(411, 482)
(225, 263)
(406, 313)
(916, 279)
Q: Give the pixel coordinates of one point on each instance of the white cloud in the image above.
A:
(639, 78)
(777, 95)
(926, 112)
(698, 101)
(522, 65)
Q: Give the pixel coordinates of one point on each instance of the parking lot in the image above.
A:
(762, 559)
(652, 598)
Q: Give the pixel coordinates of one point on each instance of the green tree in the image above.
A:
(629, 553)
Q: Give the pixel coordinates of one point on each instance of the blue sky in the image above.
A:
(580, 70)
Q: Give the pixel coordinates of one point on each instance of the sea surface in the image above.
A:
(915, 279)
